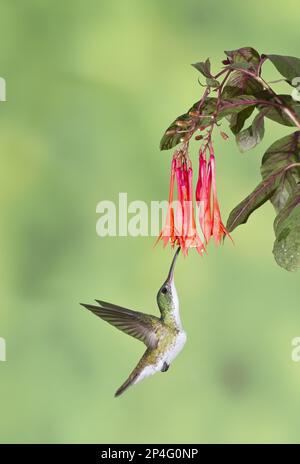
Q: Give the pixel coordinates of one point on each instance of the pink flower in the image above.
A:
(180, 227)
(168, 232)
(206, 196)
(218, 228)
(203, 196)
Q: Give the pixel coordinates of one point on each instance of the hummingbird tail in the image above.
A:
(130, 381)
(140, 372)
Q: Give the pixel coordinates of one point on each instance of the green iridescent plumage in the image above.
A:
(164, 336)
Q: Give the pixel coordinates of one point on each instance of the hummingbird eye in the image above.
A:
(164, 290)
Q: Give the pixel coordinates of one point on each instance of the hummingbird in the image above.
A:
(163, 336)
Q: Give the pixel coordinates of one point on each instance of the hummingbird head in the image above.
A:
(167, 298)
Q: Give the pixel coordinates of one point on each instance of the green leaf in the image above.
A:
(253, 135)
(288, 66)
(203, 67)
(239, 66)
(262, 193)
(207, 107)
(186, 122)
(230, 92)
(280, 155)
(175, 131)
(285, 212)
(196, 118)
(236, 104)
(237, 120)
(244, 55)
(240, 83)
(286, 248)
(278, 115)
(211, 82)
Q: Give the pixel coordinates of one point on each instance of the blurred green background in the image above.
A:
(91, 85)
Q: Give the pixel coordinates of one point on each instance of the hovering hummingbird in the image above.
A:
(164, 336)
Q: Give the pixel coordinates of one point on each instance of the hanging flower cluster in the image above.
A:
(180, 227)
(236, 94)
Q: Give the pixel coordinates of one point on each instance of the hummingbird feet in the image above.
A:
(165, 367)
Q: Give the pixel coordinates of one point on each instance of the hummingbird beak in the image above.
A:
(171, 271)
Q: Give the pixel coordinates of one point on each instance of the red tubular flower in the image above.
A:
(206, 196)
(168, 232)
(218, 228)
(203, 196)
(194, 240)
(180, 228)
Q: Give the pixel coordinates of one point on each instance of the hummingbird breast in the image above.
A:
(175, 347)
(168, 347)
(170, 341)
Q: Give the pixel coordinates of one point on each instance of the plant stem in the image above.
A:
(215, 114)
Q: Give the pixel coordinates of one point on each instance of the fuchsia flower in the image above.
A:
(207, 200)
(168, 232)
(180, 227)
(185, 219)
(203, 194)
(218, 228)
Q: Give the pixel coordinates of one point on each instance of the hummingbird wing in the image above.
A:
(138, 325)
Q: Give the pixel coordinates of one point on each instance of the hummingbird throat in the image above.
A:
(170, 311)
